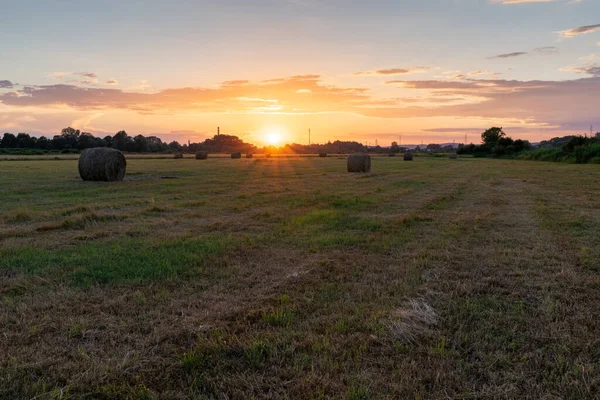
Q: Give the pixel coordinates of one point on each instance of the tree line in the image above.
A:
(495, 143)
(71, 139)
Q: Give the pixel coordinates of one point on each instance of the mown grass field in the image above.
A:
(290, 278)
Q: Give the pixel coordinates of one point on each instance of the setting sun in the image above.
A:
(274, 138)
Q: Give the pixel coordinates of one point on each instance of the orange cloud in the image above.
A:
(394, 71)
(536, 102)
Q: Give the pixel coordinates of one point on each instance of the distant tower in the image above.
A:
(376, 142)
(218, 130)
(465, 139)
(188, 142)
(309, 136)
(591, 131)
(400, 142)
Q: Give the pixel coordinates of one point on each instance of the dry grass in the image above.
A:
(434, 279)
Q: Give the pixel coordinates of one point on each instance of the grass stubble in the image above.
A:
(290, 278)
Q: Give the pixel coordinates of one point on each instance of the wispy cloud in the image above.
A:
(6, 85)
(591, 69)
(89, 78)
(59, 75)
(546, 50)
(582, 30)
(91, 75)
(111, 82)
(468, 75)
(394, 71)
(509, 55)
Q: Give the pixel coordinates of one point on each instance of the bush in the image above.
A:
(578, 149)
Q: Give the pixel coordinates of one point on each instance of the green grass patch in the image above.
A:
(126, 260)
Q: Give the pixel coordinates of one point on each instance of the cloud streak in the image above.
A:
(582, 30)
(508, 55)
(6, 85)
(393, 71)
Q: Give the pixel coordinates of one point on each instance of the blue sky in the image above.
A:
(146, 47)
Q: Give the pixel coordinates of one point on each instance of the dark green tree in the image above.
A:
(119, 141)
(9, 141)
(492, 136)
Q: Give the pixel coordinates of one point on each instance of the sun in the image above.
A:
(274, 138)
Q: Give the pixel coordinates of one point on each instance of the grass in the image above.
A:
(290, 278)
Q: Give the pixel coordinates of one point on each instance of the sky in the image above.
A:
(428, 71)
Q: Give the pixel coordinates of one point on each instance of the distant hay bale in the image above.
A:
(453, 156)
(322, 155)
(267, 155)
(201, 155)
(359, 163)
(178, 155)
(249, 155)
(236, 155)
(102, 164)
(392, 155)
(408, 156)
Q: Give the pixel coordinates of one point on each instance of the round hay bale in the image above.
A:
(236, 155)
(201, 155)
(268, 155)
(249, 155)
(392, 155)
(408, 156)
(359, 163)
(102, 164)
(322, 155)
(177, 155)
(453, 156)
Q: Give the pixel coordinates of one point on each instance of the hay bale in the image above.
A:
(249, 155)
(322, 155)
(359, 163)
(392, 155)
(102, 164)
(236, 155)
(267, 155)
(201, 155)
(408, 156)
(453, 156)
(177, 155)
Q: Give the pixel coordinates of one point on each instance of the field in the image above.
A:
(291, 278)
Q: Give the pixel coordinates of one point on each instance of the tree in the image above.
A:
(24, 141)
(395, 148)
(86, 141)
(9, 141)
(492, 136)
(43, 143)
(141, 143)
(433, 148)
(174, 146)
(119, 141)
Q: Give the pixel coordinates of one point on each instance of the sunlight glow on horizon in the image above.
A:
(274, 138)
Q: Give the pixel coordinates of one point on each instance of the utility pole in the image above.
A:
(465, 139)
(218, 130)
(376, 142)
